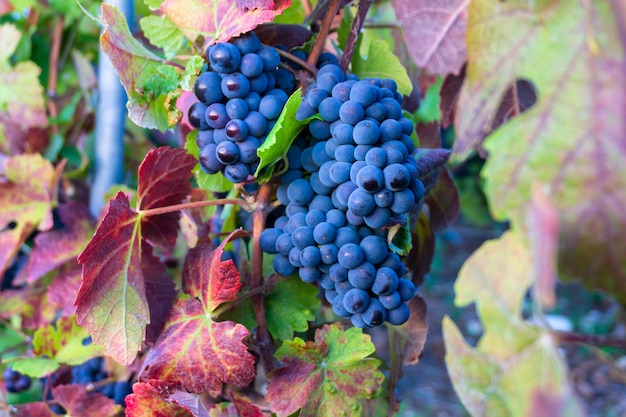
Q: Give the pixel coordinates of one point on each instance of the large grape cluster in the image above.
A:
(241, 95)
(361, 179)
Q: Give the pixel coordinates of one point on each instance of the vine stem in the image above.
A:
(318, 46)
(588, 339)
(353, 37)
(259, 215)
(311, 68)
(196, 204)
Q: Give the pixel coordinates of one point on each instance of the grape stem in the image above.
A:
(353, 37)
(311, 68)
(196, 204)
(589, 339)
(318, 46)
(259, 215)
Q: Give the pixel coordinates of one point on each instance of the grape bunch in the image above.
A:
(360, 178)
(93, 371)
(241, 95)
(15, 381)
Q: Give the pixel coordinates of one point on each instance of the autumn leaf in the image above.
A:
(208, 278)
(499, 376)
(30, 303)
(125, 287)
(409, 339)
(219, 20)
(36, 409)
(63, 342)
(571, 140)
(328, 377)
(27, 196)
(443, 202)
(148, 397)
(434, 33)
(64, 288)
(78, 402)
(198, 353)
(56, 247)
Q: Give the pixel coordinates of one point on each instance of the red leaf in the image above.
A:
(199, 353)
(244, 407)
(217, 21)
(434, 33)
(443, 202)
(148, 401)
(209, 279)
(30, 303)
(112, 301)
(163, 180)
(56, 247)
(429, 135)
(429, 165)
(160, 292)
(411, 336)
(289, 35)
(78, 402)
(423, 251)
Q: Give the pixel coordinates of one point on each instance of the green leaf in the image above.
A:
(569, 141)
(428, 111)
(328, 377)
(215, 182)
(399, 239)
(381, 62)
(63, 342)
(344, 28)
(192, 70)
(290, 307)
(281, 137)
(141, 72)
(499, 376)
(9, 338)
(34, 367)
(163, 33)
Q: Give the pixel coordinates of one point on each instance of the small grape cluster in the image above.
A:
(15, 381)
(362, 180)
(92, 371)
(241, 94)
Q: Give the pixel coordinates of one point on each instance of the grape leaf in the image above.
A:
(199, 353)
(134, 65)
(280, 137)
(499, 376)
(430, 163)
(421, 256)
(64, 288)
(30, 303)
(450, 91)
(78, 402)
(256, 4)
(27, 196)
(289, 35)
(63, 342)
(56, 247)
(208, 278)
(409, 339)
(36, 409)
(219, 20)
(214, 182)
(399, 239)
(33, 367)
(443, 202)
(148, 397)
(382, 63)
(163, 33)
(124, 286)
(428, 110)
(329, 376)
(574, 147)
(21, 94)
(434, 33)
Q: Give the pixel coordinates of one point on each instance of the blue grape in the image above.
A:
(237, 172)
(375, 314)
(360, 151)
(374, 248)
(317, 185)
(294, 256)
(209, 161)
(227, 153)
(315, 96)
(403, 202)
(236, 130)
(336, 217)
(196, 116)
(268, 240)
(344, 191)
(224, 57)
(257, 124)
(315, 217)
(300, 192)
(356, 300)
(338, 273)
(204, 138)
(390, 301)
(370, 178)
(270, 107)
(247, 43)
(326, 82)
(284, 244)
(366, 132)
(376, 111)
(285, 80)
(207, 87)
(340, 172)
(216, 115)
(327, 283)
(288, 176)
(354, 219)
(398, 315)
(338, 306)
(251, 65)
(324, 233)
(292, 209)
(321, 202)
(378, 218)
(356, 167)
(329, 253)
(345, 153)
(383, 198)
(406, 289)
(270, 58)
(341, 91)
(390, 129)
(350, 256)
(319, 129)
(296, 221)
(319, 154)
(260, 84)
(362, 276)
(351, 112)
(394, 111)
(310, 256)
(357, 321)
(361, 203)
(303, 237)
(310, 274)
(343, 134)
(346, 235)
(364, 93)
(236, 108)
(386, 281)
(252, 100)
(283, 266)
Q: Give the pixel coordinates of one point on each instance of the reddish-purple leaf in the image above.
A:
(450, 90)
(434, 33)
(194, 223)
(160, 292)
(429, 135)
(244, 407)
(443, 202)
(430, 163)
(289, 35)
(112, 301)
(423, 250)
(148, 401)
(328, 377)
(63, 290)
(27, 195)
(30, 303)
(38, 409)
(56, 247)
(255, 4)
(543, 230)
(163, 180)
(217, 21)
(410, 338)
(208, 278)
(199, 353)
(78, 402)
